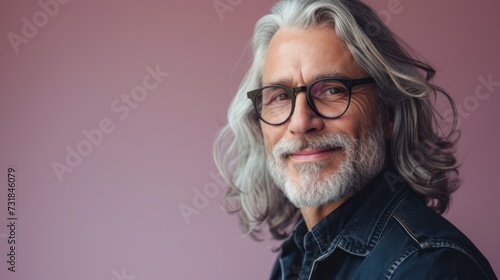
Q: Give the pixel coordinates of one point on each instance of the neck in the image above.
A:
(312, 215)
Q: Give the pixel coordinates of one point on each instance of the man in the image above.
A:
(333, 131)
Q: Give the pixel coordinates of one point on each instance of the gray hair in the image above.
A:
(420, 149)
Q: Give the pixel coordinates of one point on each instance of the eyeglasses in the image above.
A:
(327, 97)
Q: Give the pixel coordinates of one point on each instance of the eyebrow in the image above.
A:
(288, 81)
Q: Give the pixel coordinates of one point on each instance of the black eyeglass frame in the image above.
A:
(349, 83)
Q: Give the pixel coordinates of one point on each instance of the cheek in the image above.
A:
(365, 105)
(360, 118)
(270, 136)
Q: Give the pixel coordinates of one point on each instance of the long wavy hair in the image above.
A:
(421, 146)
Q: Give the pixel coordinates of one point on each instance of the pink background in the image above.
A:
(117, 213)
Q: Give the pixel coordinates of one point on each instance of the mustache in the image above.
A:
(285, 148)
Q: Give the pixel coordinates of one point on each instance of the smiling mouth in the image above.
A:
(310, 154)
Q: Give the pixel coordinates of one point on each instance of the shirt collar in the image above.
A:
(356, 225)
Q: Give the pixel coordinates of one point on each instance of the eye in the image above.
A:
(329, 91)
(281, 96)
(325, 88)
(274, 96)
(333, 90)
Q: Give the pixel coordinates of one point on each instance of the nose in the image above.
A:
(303, 119)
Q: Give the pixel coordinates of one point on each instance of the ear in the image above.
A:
(388, 124)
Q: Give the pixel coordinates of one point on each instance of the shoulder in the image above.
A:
(431, 246)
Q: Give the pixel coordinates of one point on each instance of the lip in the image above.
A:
(312, 154)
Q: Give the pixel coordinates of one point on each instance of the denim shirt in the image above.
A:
(383, 232)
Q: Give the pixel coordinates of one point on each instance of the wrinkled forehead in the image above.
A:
(299, 56)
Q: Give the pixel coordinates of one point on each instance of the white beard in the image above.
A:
(364, 159)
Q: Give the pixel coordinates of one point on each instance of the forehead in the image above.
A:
(297, 56)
